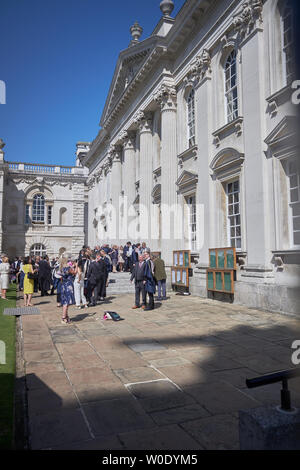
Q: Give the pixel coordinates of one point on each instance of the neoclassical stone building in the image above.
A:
(43, 208)
(199, 121)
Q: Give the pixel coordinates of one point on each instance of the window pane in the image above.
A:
(294, 195)
(296, 238)
(296, 223)
(293, 181)
(296, 209)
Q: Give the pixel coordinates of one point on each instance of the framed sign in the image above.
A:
(182, 258)
(222, 258)
(220, 281)
(180, 276)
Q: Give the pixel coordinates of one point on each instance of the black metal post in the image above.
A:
(285, 396)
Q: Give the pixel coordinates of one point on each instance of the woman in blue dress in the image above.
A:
(67, 289)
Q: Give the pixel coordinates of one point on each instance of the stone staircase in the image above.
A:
(120, 284)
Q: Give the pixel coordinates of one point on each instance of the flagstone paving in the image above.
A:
(172, 378)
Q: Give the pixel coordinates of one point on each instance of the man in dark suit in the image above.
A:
(138, 274)
(96, 276)
(44, 275)
(150, 282)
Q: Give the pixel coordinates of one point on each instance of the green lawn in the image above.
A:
(7, 371)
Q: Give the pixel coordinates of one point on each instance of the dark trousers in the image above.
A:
(161, 286)
(95, 290)
(21, 280)
(102, 290)
(151, 300)
(44, 286)
(140, 288)
(87, 290)
(128, 264)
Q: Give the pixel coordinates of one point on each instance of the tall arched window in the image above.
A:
(191, 118)
(288, 41)
(38, 208)
(231, 90)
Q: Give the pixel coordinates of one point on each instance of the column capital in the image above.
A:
(166, 97)
(128, 139)
(144, 121)
(115, 153)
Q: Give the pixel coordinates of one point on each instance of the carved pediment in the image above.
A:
(127, 68)
(187, 180)
(284, 137)
(156, 194)
(227, 163)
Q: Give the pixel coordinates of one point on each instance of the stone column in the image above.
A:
(146, 166)
(108, 199)
(116, 188)
(166, 97)
(129, 179)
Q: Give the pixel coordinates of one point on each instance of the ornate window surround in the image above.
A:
(283, 145)
(29, 201)
(227, 166)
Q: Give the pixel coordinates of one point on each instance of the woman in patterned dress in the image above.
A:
(67, 289)
(28, 283)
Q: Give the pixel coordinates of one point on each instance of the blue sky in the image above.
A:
(57, 61)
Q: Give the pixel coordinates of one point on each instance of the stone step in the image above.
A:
(121, 284)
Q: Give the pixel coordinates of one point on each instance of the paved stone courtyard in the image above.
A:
(168, 379)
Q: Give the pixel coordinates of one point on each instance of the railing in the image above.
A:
(282, 376)
(39, 168)
(13, 166)
(64, 169)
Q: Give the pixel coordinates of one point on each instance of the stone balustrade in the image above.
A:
(34, 168)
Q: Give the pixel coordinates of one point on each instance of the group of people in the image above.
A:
(83, 282)
(122, 258)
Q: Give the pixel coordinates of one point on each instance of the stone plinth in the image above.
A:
(269, 428)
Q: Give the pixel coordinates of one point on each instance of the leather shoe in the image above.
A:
(136, 306)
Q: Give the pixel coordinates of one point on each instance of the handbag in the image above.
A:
(32, 275)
